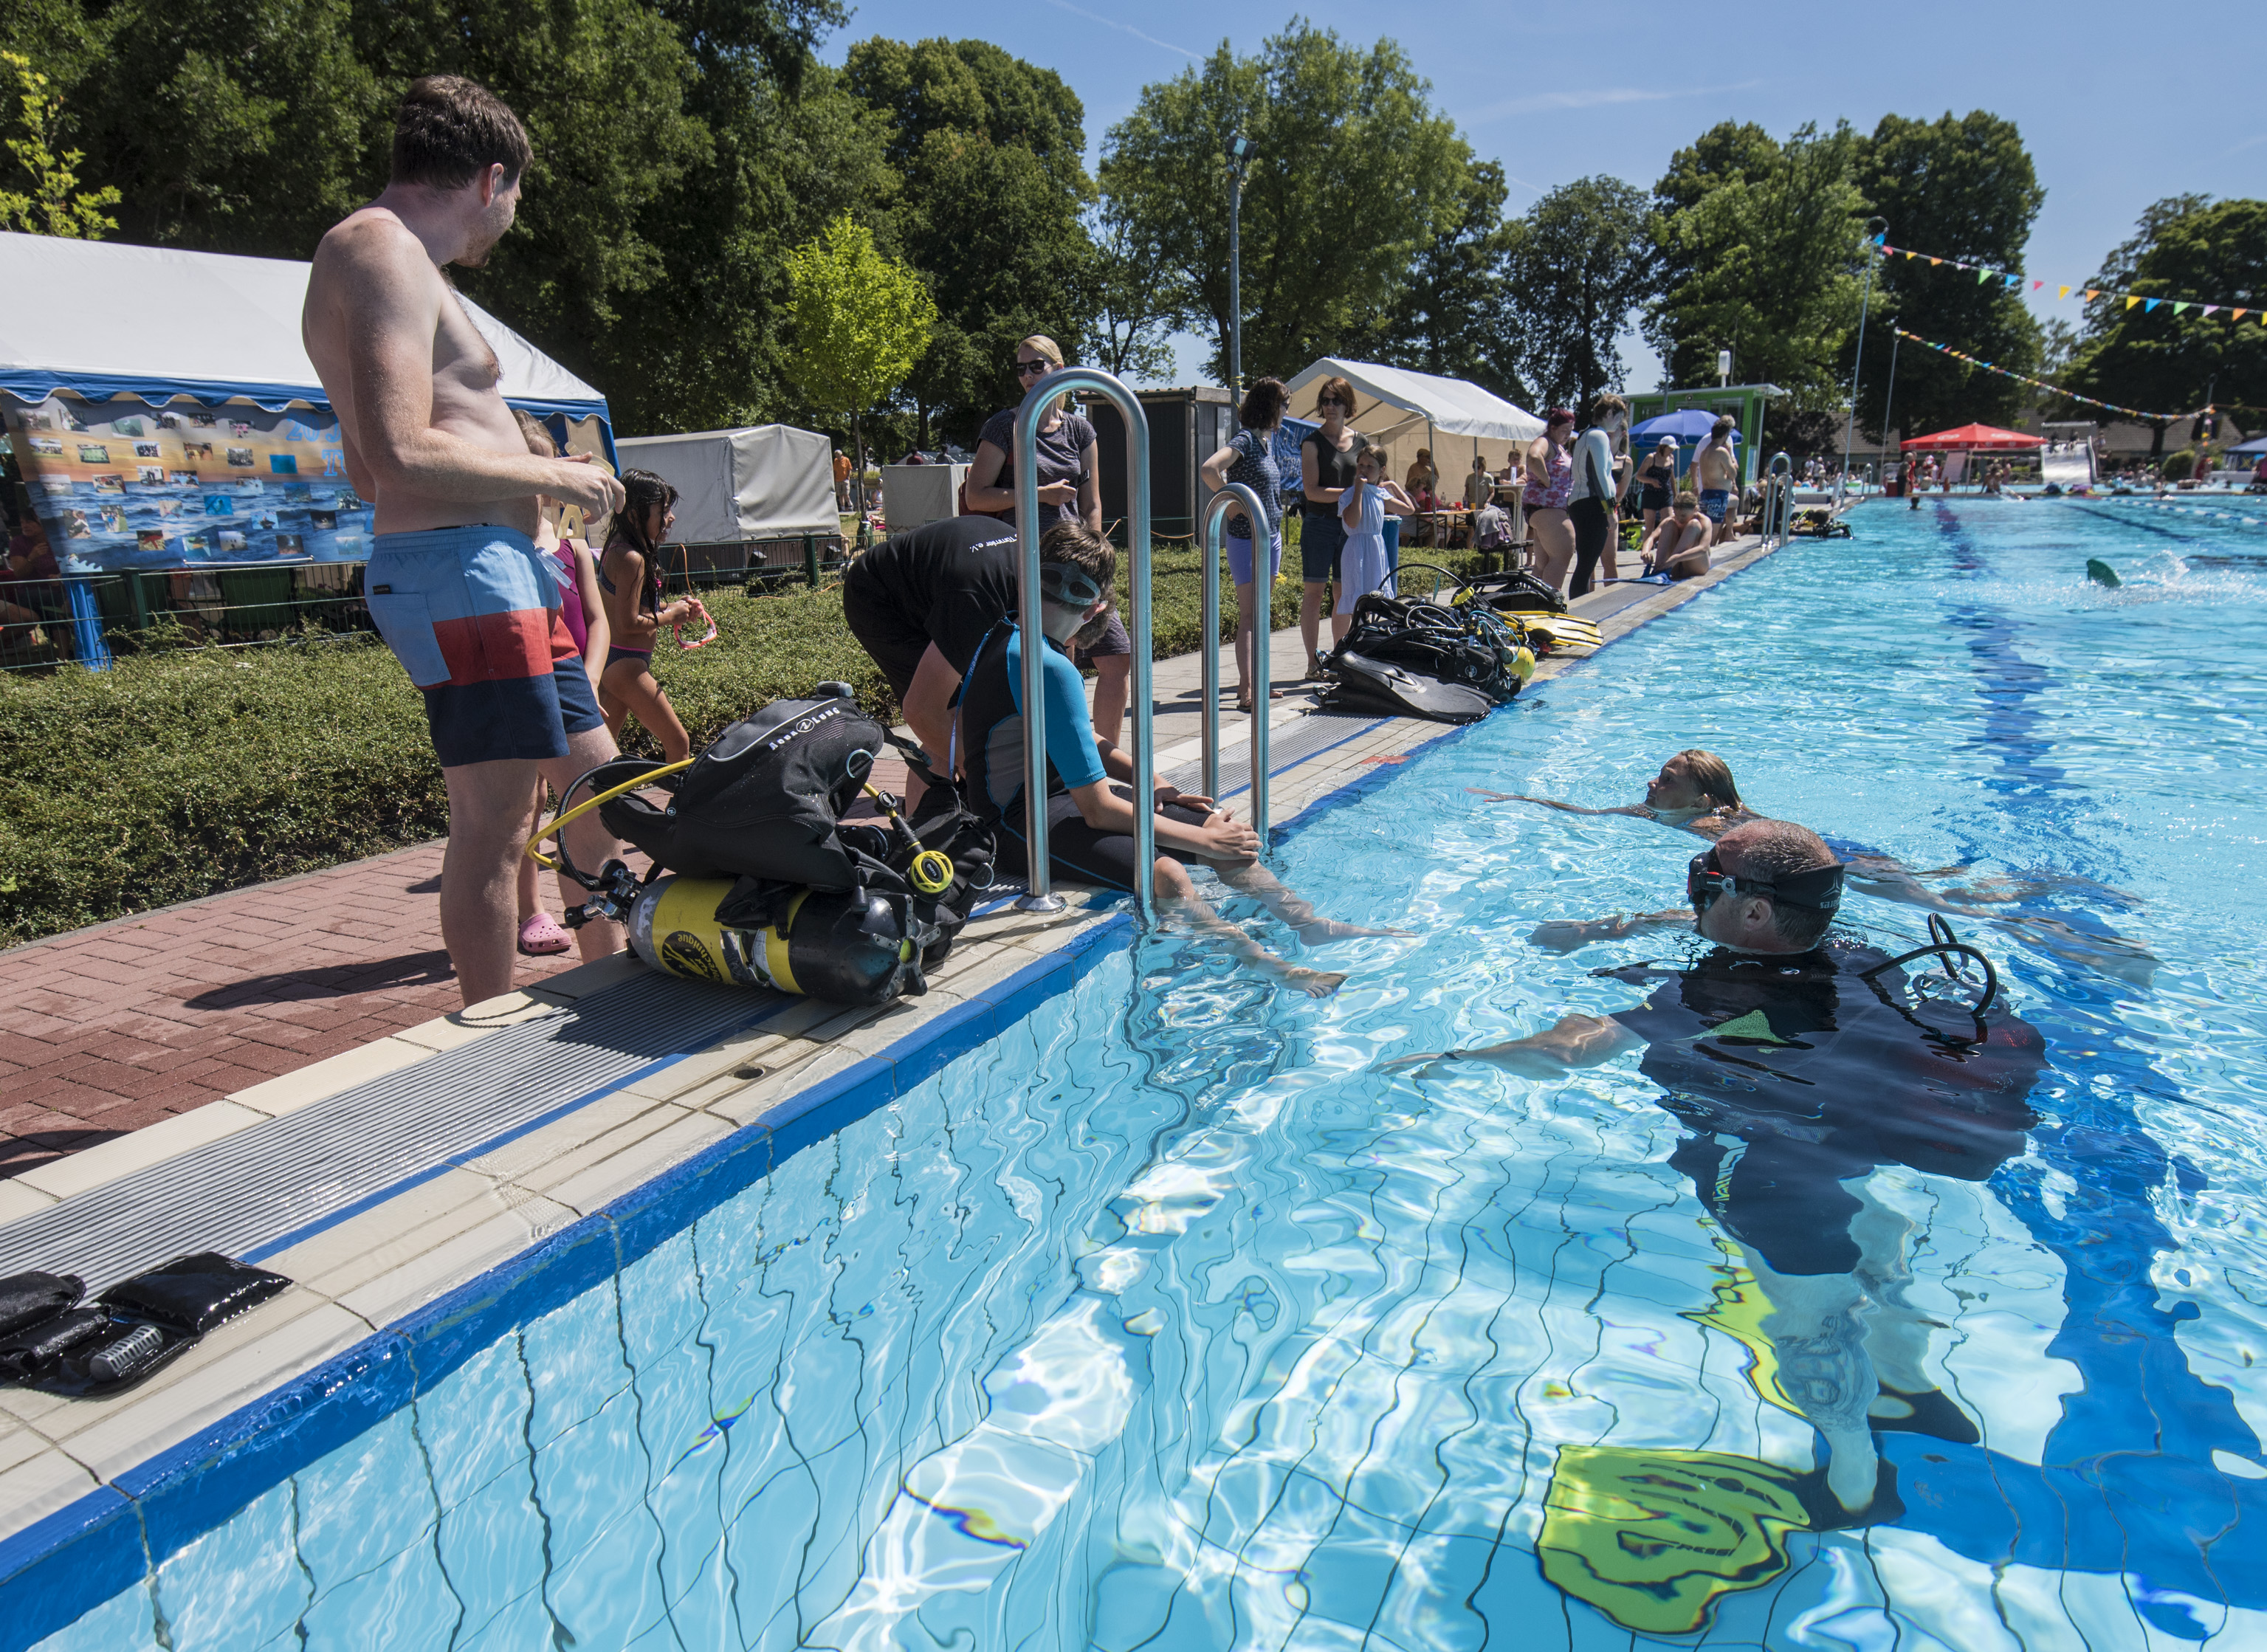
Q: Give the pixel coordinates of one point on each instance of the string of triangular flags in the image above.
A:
(2041, 384)
(2015, 282)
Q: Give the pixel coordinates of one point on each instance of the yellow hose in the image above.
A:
(582, 809)
(932, 870)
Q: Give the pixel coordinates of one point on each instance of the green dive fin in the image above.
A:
(2100, 573)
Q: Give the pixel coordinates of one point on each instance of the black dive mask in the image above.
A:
(1706, 878)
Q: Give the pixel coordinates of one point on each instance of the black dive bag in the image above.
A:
(1465, 645)
(1514, 590)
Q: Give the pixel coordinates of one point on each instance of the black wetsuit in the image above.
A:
(947, 582)
(1794, 1075)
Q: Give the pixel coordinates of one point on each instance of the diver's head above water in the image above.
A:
(1764, 886)
(1693, 780)
(1077, 569)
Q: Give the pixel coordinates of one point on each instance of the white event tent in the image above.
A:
(758, 483)
(1402, 411)
(100, 320)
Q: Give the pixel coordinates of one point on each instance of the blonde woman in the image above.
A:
(1070, 490)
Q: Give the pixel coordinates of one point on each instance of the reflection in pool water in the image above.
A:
(1174, 1319)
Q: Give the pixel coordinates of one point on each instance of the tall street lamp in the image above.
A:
(1239, 149)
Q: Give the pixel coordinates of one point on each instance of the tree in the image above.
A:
(1962, 189)
(861, 322)
(1453, 314)
(1765, 260)
(1136, 301)
(1351, 174)
(1581, 262)
(991, 151)
(2169, 355)
(55, 205)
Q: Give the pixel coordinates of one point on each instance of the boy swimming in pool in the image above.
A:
(1089, 820)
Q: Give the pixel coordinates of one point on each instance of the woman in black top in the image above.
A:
(1325, 471)
(1657, 478)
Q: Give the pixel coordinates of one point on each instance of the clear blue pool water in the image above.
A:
(1213, 1334)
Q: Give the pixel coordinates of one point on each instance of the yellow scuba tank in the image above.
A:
(853, 947)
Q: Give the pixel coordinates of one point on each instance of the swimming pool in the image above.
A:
(1168, 1320)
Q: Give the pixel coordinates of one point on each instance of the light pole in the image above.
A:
(1890, 396)
(1239, 147)
(1850, 431)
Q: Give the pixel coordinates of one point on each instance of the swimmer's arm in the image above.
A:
(1565, 934)
(1636, 808)
(1577, 1041)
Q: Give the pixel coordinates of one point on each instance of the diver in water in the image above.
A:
(1799, 1064)
(1090, 821)
(1695, 792)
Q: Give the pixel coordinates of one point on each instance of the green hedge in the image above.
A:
(182, 775)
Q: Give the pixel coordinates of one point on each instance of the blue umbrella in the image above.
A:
(2257, 444)
(1686, 424)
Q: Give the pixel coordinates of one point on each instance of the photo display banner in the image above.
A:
(122, 485)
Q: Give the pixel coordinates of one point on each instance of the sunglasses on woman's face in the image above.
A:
(1026, 370)
(1329, 401)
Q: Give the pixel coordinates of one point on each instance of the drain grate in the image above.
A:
(244, 1190)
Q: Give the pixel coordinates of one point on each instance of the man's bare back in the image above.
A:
(427, 434)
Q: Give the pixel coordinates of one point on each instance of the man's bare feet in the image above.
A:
(1314, 982)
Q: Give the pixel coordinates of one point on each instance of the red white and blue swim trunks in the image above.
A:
(473, 614)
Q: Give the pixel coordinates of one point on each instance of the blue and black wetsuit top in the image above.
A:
(991, 728)
(1795, 1073)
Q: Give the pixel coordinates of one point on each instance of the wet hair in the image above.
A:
(1687, 500)
(1263, 405)
(1080, 546)
(1711, 775)
(1769, 850)
(1603, 405)
(531, 432)
(1334, 387)
(450, 130)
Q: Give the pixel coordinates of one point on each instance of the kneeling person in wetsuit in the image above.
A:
(1800, 1065)
(1090, 822)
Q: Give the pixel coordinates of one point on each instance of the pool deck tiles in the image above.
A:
(604, 1169)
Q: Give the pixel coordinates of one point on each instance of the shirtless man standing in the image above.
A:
(1716, 469)
(454, 581)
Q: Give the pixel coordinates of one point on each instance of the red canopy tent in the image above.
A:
(1972, 438)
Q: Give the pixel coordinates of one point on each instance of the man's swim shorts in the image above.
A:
(472, 615)
(1714, 502)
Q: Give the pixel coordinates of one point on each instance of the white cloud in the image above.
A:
(1600, 97)
(1096, 17)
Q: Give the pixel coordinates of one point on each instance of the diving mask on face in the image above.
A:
(1819, 887)
(1072, 586)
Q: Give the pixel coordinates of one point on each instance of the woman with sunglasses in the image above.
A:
(1550, 486)
(1325, 472)
(1070, 490)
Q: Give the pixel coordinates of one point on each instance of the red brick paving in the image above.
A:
(108, 1029)
(116, 1027)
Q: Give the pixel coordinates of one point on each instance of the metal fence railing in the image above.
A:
(89, 619)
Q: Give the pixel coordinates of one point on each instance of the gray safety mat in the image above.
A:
(248, 1189)
(1317, 731)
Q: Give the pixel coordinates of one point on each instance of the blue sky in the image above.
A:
(2119, 105)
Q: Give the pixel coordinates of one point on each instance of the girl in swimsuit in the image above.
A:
(629, 575)
(1550, 484)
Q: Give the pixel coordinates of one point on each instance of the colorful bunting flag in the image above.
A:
(2014, 283)
(2091, 402)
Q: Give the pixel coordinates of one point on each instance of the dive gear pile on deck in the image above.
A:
(759, 881)
(49, 1340)
(1447, 662)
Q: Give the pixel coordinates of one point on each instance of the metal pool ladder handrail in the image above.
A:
(1779, 501)
(1051, 389)
(1238, 497)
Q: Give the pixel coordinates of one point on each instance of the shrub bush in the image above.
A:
(179, 774)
